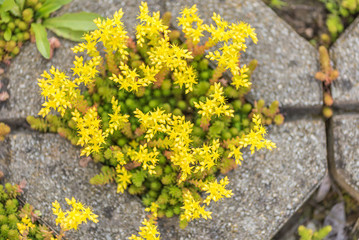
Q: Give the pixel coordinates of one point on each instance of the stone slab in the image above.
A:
(346, 151)
(287, 63)
(268, 188)
(345, 89)
(50, 166)
(27, 67)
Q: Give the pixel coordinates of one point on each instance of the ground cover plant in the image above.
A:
(326, 75)
(15, 220)
(308, 234)
(341, 13)
(21, 222)
(156, 115)
(4, 130)
(21, 19)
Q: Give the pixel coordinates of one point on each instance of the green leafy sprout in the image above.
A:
(308, 234)
(21, 19)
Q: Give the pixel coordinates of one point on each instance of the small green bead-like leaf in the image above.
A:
(7, 34)
(5, 16)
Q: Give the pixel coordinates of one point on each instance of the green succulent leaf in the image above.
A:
(66, 33)
(42, 43)
(7, 35)
(5, 17)
(21, 4)
(50, 6)
(82, 21)
(10, 5)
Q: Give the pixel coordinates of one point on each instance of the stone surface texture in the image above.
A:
(50, 166)
(286, 62)
(268, 188)
(346, 151)
(27, 67)
(345, 89)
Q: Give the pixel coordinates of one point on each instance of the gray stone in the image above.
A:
(27, 67)
(346, 151)
(345, 89)
(287, 62)
(268, 188)
(50, 166)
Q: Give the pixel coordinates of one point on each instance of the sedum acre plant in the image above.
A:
(153, 111)
(21, 222)
(341, 13)
(72, 219)
(4, 130)
(307, 234)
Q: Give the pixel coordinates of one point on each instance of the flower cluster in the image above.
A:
(255, 139)
(24, 226)
(59, 91)
(193, 209)
(161, 126)
(123, 178)
(215, 104)
(72, 219)
(233, 37)
(147, 232)
(89, 131)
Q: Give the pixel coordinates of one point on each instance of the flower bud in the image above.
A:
(31, 3)
(327, 112)
(27, 15)
(22, 26)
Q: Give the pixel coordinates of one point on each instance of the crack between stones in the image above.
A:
(18, 124)
(338, 109)
(333, 173)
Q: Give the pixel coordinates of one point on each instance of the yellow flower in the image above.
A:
(87, 71)
(215, 104)
(188, 20)
(117, 121)
(112, 34)
(148, 158)
(242, 79)
(255, 138)
(123, 178)
(72, 219)
(150, 28)
(147, 232)
(153, 209)
(207, 155)
(59, 91)
(192, 208)
(24, 227)
(153, 121)
(89, 131)
(216, 190)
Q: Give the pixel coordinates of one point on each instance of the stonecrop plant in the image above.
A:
(341, 14)
(21, 222)
(72, 219)
(156, 115)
